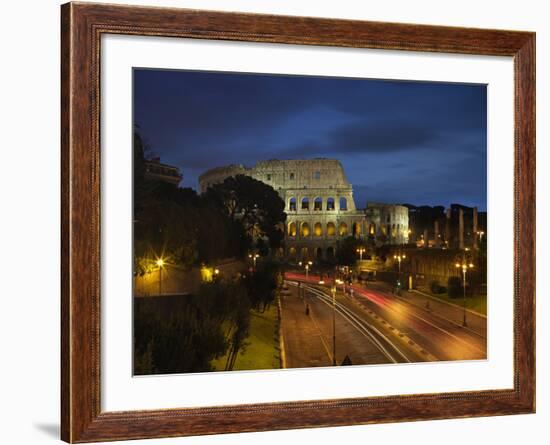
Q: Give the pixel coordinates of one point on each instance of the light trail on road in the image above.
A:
(442, 338)
(359, 324)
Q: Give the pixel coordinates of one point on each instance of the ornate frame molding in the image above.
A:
(82, 25)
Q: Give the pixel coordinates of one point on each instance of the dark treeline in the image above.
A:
(229, 220)
(174, 334)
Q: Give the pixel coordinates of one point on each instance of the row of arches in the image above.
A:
(330, 230)
(317, 204)
(394, 230)
(309, 254)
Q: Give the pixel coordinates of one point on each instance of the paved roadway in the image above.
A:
(372, 327)
(308, 337)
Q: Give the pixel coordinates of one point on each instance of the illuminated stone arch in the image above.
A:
(305, 204)
(292, 253)
(343, 229)
(304, 253)
(331, 229)
(372, 229)
(356, 229)
(330, 203)
(292, 229)
(304, 230)
(318, 229)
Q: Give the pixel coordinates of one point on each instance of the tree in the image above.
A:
(262, 284)
(173, 335)
(346, 253)
(257, 206)
(454, 287)
(178, 224)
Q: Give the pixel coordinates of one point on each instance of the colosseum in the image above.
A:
(320, 206)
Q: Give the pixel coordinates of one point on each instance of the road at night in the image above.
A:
(398, 331)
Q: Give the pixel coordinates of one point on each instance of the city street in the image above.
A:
(308, 338)
(374, 326)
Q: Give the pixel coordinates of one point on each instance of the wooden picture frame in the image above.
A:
(82, 26)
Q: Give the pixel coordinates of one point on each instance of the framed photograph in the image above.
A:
(275, 222)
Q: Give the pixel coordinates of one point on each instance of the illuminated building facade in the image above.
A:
(319, 205)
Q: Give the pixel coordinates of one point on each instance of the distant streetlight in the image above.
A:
(254, 258)
(464, 266)
(343, 283)
(361, 251)
(334, 325)
(399, 258)
(480, 233)
(306, 264)
(160, 264)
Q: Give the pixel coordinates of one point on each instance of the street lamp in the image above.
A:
(307, 264)
(334, 325)
(361, 251)
(254, 258)
(400, 257)
(464, 266)
(160, 264)
(480, 233)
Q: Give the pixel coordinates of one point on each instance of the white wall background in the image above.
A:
(29, 187)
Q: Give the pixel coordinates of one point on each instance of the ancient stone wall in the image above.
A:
(319, 204)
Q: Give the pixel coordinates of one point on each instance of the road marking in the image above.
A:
(404, 337)
(359, 324)
(325, 345)
(449, 333)
(437, 327)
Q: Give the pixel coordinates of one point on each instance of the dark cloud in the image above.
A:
(366, 137)
(396, 139)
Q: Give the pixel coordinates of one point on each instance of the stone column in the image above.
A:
(461, 229)
(448, 227)
(474, 229)
(437, 239)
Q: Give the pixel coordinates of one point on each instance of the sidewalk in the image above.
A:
(477, 323)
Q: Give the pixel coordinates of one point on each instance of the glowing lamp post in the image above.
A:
(306, 265)
(334, 325)
(254, 258)
(399, 258)
(160, 264)
(480, 233)
(464, 266)
(361, 251)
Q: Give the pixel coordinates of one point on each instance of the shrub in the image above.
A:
(437, 288)
(454, 287)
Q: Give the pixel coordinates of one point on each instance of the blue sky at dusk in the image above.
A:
(399, 141)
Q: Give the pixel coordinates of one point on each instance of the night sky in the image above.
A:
(422, 143)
